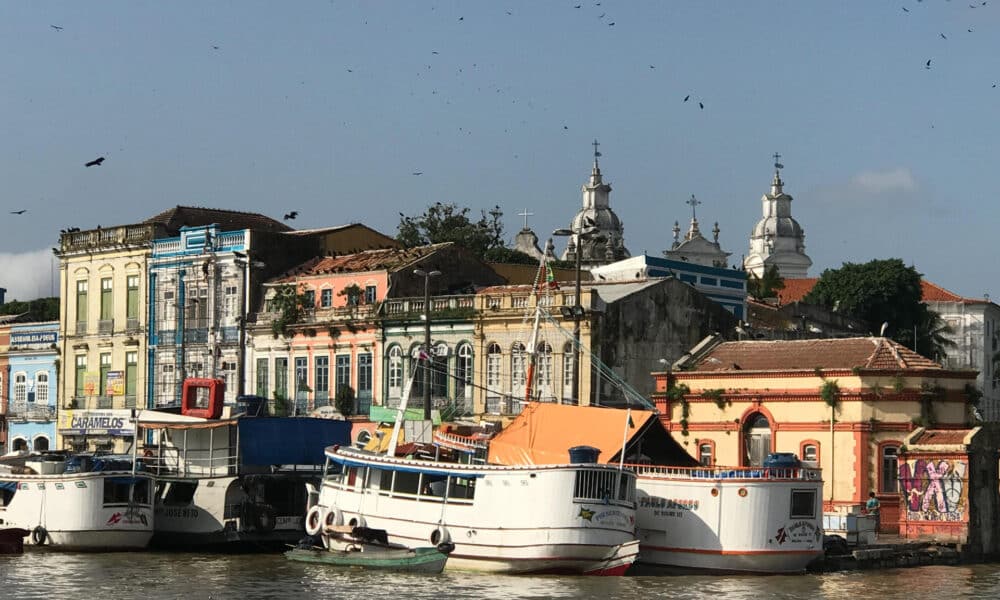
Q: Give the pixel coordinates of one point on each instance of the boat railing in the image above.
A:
(171, 461)
(459, 442)
(716, 473)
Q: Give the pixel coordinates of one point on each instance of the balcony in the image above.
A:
(100, 239)
(132, 324)
(100, 402)
(106, 326)
(81, 328)
(29, 411)
(442, 307)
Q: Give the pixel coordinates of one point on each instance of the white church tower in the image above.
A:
(778, 239)
(607, 244)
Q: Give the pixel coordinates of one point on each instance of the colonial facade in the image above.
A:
(103, 287)
(32, 361)
(361, 314)
(777, 239)
(845, 405)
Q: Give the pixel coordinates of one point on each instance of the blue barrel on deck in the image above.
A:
(583, 454)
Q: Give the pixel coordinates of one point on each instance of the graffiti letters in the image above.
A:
(934, 490)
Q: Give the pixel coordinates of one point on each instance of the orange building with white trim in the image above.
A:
(733, 403)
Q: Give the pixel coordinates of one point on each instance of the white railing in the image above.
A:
(459, 442)
(762, 473)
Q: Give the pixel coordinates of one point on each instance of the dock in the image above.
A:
(892, 552)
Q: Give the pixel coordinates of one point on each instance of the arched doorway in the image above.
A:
(41, 444)
(19, 445)
(757, 439)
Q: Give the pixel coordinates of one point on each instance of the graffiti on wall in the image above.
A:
(934, 490)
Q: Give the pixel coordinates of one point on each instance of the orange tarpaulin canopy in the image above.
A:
(543, 433)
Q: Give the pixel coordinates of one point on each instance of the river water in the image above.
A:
(52, 575)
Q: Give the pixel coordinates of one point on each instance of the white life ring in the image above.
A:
(314, 520)
(440, 536)
(357, 521)
(333, 517)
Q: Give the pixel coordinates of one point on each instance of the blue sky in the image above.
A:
(328, 108)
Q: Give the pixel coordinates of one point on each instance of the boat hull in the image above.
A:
(78, 511)
(416, 560)
(510, 520)
(741, 520)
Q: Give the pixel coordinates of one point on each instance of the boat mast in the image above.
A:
(400, 414)
(541, 278)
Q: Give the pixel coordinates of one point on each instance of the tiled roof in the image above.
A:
(948, 437)
(389, 259)
(227, 220)
(840, 353)
(796, 289)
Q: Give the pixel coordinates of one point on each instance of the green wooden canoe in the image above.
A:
(419, 560)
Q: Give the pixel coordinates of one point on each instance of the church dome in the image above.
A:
(777, 226)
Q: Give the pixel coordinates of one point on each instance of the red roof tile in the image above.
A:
(941, 437)
(796, 289)
(389, 259)
(840, 353)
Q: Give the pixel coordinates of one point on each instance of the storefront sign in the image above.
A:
(117, 422)
(43, 338)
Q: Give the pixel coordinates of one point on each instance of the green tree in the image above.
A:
(502, 254)
(766, 286)
(884, 291)
(39, 309)
(450, 223)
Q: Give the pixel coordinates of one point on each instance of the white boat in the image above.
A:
(760, 520)
(236, 483)
(566, 518)
(77, 502)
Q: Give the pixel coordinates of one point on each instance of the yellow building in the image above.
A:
(102, 325)
(844, 405)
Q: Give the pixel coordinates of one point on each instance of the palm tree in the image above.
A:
(766, 286)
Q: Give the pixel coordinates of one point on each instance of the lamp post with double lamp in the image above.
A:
(427, 337)
(577, 310)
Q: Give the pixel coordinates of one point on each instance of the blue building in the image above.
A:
(33, 357)
(726, 286)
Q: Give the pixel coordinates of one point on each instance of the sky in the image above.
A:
(332, 108)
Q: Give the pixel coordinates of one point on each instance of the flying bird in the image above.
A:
(578, 6)
(461, 18)
(56, 27)
(927, 64)
(611, 24)
(418, 172)
(943, 36)
(701, 106)
(19, 212)
(688, 97)
(291, 215)
(215, 47)
(96, 162)
(434, 51)
(906, 9)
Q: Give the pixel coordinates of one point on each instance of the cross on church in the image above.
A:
(777, 163)
(596, 144)
(526, 214)
(693, 202)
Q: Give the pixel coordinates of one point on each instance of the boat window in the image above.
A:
(803, 504)
(434, 485)
(117, 490)
(405, 482)
(463, 488)
(179, 493)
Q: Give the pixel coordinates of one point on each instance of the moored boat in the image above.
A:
(78, 502)
(364, 547)
(561, 518)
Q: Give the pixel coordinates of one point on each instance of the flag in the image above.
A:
(550, 277)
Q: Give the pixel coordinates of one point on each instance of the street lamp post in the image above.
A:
(427, 337)
(578, 236)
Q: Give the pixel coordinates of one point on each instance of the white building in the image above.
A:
(607, 243)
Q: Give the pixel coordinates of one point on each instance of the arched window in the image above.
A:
(395, 372)
(20, 389)
(439, 371)
(494, 392)
(42, 388)
(809, 451)
(706, 453)
(463, 372)
(41, 444)
(757, 439)
(889, 472)
(543, 378)
(19, 444)
(517, 364)
(567, 391)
